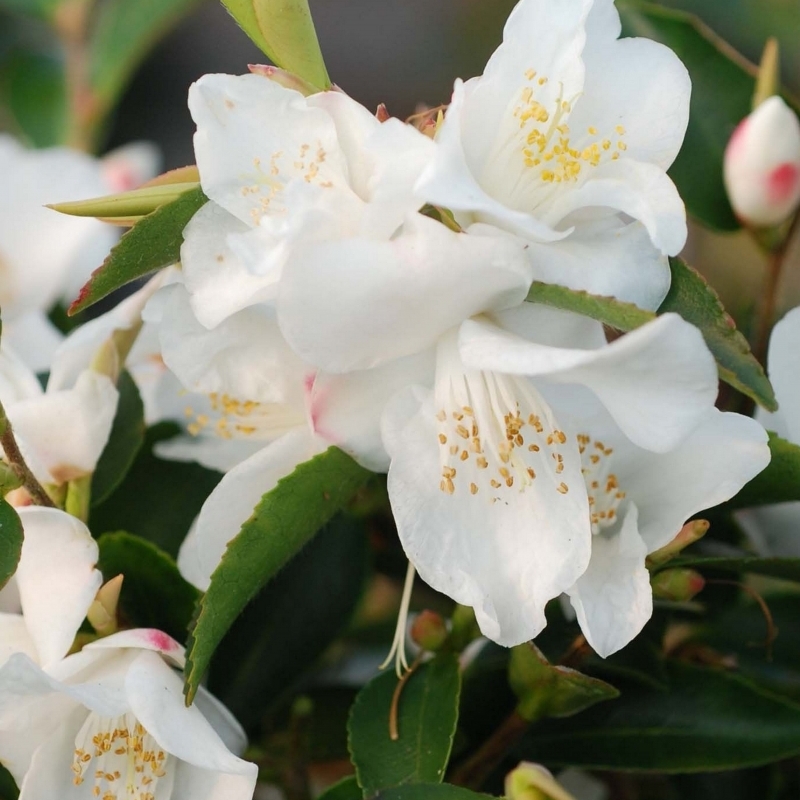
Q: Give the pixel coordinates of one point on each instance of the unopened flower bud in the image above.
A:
(429, 631)
(678, 585)
(762, 165)
(691, 532)
(533, 782)
(102, 614)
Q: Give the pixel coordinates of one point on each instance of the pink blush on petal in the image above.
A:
(161, 641)
(782, 182)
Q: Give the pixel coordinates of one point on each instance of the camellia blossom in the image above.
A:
(775, 529)
(564, 141)
(762, 165)
(46, 256)
(110, 720)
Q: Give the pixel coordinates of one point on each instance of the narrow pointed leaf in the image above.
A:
(136, 203)
(707, 720)
(345, 789)
(10, 541)
(787, 569)
(282, 523)
(284, 31)
(546, 690)
(430, 791)
(426, 724)
(154, 594)
(691, 297)
(153, 243)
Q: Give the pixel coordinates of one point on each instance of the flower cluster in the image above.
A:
(358, 283)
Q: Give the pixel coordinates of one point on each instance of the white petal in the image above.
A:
(210, 451)
(784, 370)
(17, 379)
(657, 382)
(551, 326)
(394, 298)
(244, 357)
(642, 191)
(613, 599)
(222, 721)
(142, 639)
(217, 282)
(155, 693)
(505, 557)
(130, 165)
(346, 409)
(718, 458)
(57, 453)
(255, 138)
(33, 337)
(14, 637)
(234, 499)
(608, 258)
(57, 578)
(9, 598)
(193, 783)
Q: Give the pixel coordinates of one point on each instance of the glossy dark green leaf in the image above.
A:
(284, 31)
(11, 537)
(124, 442)
(547, 690)
(38, 8)
(157, 499)
(283, 522)
(33, 93)
(123, 34)
(426, 724)
(722, 90)
(8, 788)
(305, 607)
(430, 791)
(345, 789)
(778, 483)
(154, 595)
(153, 243)
(709, 719)
(691, 296)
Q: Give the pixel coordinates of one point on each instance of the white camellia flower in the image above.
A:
(775, 530)
(46, 256)
(762, 164)
(109, 721)
(564, 141)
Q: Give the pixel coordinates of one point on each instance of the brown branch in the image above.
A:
(19, 467)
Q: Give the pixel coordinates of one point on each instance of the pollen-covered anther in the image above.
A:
(602, 485)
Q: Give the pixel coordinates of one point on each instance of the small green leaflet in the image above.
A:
(153, 243)
(10, 542)
(778, 483)
(285, 519)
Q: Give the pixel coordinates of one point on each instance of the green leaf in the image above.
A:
(345, 789)
(33, 92)
(122, 35)
(545, 690)
(708, 720)
(8, 788)
(608, 310)
(429, 791)
(283, 522)
(39, 8)
(145, 502)
(778, 483)
(154, 595)
(691, 297)
(248, 673)
(10, 541)
(135, 203)
(284, 31)
(785, 568)
(124, 442)
(722, 90)
(426, 724)
(153, 243)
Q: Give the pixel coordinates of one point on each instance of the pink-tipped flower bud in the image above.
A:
(678, 585)
(762, 165)
(429, 631)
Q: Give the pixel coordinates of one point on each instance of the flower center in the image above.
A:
(229, 418)
(602, 485)
(496, 436)
(121, 758)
